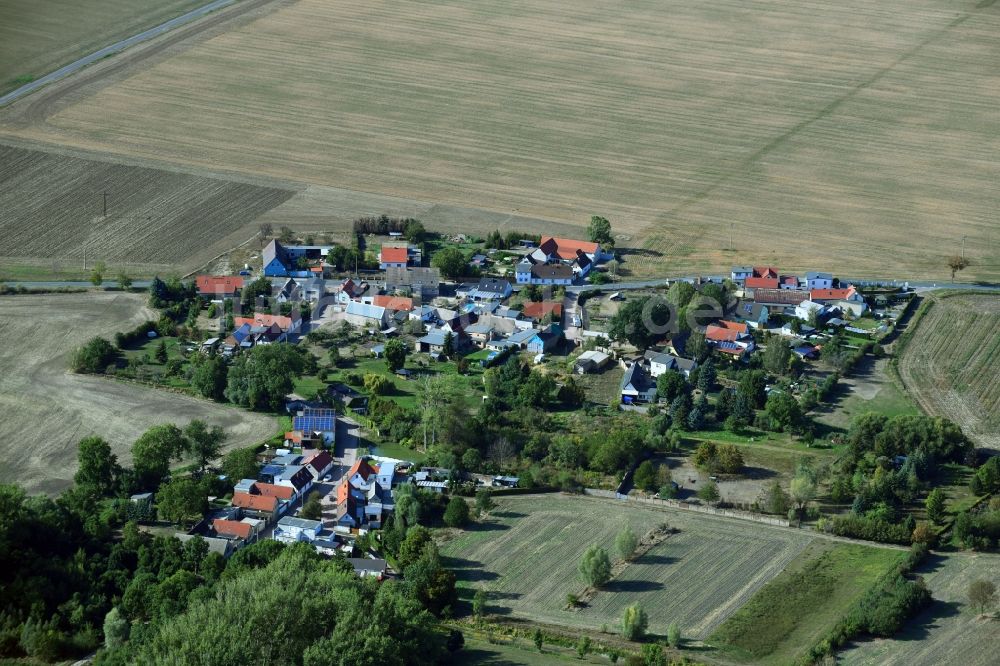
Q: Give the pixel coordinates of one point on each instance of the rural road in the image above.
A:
(117, 47)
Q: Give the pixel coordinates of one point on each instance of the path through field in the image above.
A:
(45, 410)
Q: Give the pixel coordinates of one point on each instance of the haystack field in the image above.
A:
(39, 37)
(52, 210)
(951, 363)
(45, 410)
(854, 136)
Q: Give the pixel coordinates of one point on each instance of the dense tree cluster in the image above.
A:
(261, 377)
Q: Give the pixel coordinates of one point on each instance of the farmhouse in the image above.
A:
(755, 315)
(539, 309)
(218, 286)
(423, 281)
(393, 303)
(818, 280)
(291, 529)
(393, 257)
(780, 297)
(491, 289)
(660, 362)
(317, 425)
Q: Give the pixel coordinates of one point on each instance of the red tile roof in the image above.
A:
(232, 528)
(294, 436)
(342, 492)
(284, 323)
(780, 296)
(720, 333)
(209, 285)
(761, 283)
(393, 255)
(255, 502)
(565, 248)
(361, 467)
(397, 303)
(273, 490)
(739, 327)
(832, 294)
(765, 272)
(538, 309)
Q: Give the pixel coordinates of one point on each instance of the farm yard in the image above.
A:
(831, 120)
(62, 30)
(158, 221)
(47, 410)
(950, 363)
(526, 555)
(947, 632)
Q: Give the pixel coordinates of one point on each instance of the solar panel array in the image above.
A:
(315, 420)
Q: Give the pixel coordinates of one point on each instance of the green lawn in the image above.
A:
(789, 614)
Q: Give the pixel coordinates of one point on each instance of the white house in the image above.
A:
(805, 309)
(393, 257)
(660, 363)
(291, 529)
(816, 280)
(740, 273)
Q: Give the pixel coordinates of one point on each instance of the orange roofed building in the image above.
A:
(218, 285)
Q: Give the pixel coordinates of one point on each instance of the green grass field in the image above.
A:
(794, 610)
(525, 558)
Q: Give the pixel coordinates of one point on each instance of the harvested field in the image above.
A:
(38, 37)
(950, 363)
(526, 558)
(846, 124)
(948, 632)
(47, 410)
(52, 211)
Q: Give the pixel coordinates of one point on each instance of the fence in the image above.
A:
(685, 506)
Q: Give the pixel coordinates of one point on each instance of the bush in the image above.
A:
(457, 513)
(871, 529)
(96, 355)
(634, 623)
(595, 567)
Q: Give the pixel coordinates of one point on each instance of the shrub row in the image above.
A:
(871, 529)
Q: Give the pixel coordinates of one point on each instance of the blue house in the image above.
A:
(276, 261)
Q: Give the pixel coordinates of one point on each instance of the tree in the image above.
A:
(240, 464)
(653, 655)
(674, 635)
(395, 354)
(957, 263)
(124, 281)
(776, 356)
(161, 352)
(94, 356)
(645, 476)
(641, 321)
(626, 542)
(802, 490)
(634, 623)
(709, 492)
(982, 594)
(262, 377)
(479, 604)
(450, 261)
(204, 443)
(209, 378)
(783, 410)
(774, 500)
(116, 629)
(376, 384)
(599, 231)
(457, 512)
(181, 501)
(680, 293)
(98, 468)
(671, 384)
(484, 499)
(97, 274)
(539, 639)
(935, 505)
(448, 348)
(153, 451)
(313, 507)
(583, 646)
(595, 567)
(707, 376)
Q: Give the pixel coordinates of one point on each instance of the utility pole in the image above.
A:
(731, 248)
(105, 193)
(963, 247)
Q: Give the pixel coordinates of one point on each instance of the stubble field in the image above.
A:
(45, 410)
(526, 556)
(951, 363)
(851, 136)
(51, 213)
(949, 632)
(39, 37)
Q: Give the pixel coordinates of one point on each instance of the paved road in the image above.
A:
(80, 284)
(117, 47)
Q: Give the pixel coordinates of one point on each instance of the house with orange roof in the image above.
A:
(246, 530)
(218, 286)
(393, 257)
(262, 506)
(261, 320)
(539, 309)
(393, 303)
(286, 493)
(724, 334)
